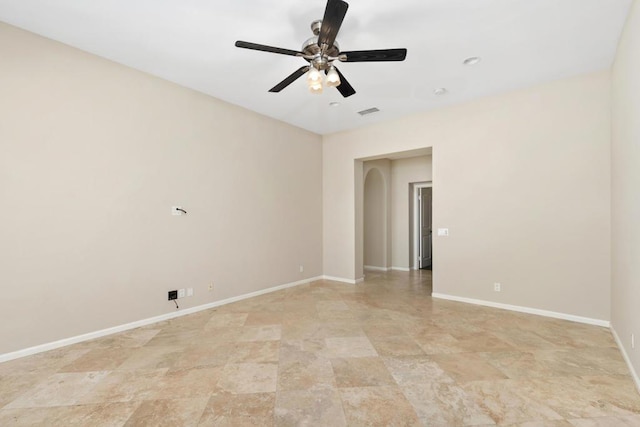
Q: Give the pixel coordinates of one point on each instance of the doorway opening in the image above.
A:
(384, 229)
(422, 230)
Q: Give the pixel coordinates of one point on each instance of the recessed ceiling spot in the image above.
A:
(440, 91)
(334, 104)
(368, 111)
(473, 60)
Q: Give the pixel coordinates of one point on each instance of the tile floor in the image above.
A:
(381, 353)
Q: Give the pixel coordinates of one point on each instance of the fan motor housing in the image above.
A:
(311, 48)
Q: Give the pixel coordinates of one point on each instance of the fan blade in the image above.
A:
(333, 16)
(292, 78)
(380, 55)
(344, 87)
(264, 48)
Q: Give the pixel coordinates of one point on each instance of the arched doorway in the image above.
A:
(375, 220)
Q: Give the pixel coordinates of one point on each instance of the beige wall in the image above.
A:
(92, 157)
(522, 182)
(625, 201)
(403, 173)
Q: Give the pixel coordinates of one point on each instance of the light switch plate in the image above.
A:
(443, 232)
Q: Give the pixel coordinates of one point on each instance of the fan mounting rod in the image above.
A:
(319, 56)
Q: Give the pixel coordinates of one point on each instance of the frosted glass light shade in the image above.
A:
(333, 78)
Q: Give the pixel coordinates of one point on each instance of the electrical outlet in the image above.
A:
(189, 292)
(301, 268)
(173, 295)
(210, 287)
(182, 293)
(497, 287)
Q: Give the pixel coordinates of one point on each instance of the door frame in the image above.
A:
(415, 235)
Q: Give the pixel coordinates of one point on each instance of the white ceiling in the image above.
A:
(191, 42)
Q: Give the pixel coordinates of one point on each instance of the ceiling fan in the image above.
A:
(322, 49)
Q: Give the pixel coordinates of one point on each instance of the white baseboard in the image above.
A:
(144, 322)
(360, 280)
(339, 279)
(374, 268)
(528, 310)
(634, 374)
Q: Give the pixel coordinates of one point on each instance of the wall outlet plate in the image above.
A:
(182, 293)
(173, 295)
(189, 292)
(497, 287)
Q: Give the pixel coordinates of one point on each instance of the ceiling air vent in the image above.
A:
(368, 111)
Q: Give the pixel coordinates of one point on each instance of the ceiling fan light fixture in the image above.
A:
(315, 88)
(322, 49)
(333, 78)
(314, 76)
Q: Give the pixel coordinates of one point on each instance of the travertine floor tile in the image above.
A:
(465, 367)
(301, 368)
(260, 333)
(416, 370)
(249, 378)
(239, 409)
(508, 402)
(12, 386)
(545, 423)
(586, 397)
(59, 390)
(445, 404)
(377, 406)
(152, 357)
(128, 339)
(125, 386)
(349, 347)
(100, 415)
(223, 320)
(361, 372)
(43, 363)
(628, 421)
(189, 383)
(100, 359)
(318, 406)
(518, 364)
(379, 353)
(170, 413)
(400, 345)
